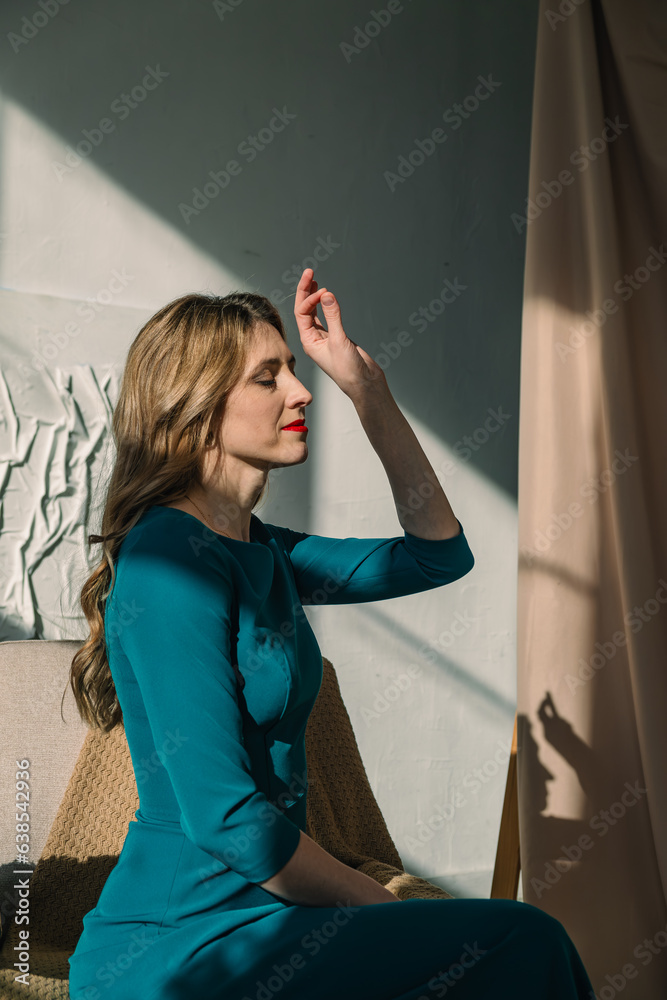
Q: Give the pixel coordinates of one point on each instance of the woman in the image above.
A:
(200, 647)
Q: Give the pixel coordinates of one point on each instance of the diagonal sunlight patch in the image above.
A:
(155, 261)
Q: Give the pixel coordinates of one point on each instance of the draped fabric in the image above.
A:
(592, 583)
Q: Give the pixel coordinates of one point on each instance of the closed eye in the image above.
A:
(270, 382)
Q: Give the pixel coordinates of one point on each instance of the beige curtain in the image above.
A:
(592, 600)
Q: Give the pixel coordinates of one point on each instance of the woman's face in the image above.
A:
(255, 413)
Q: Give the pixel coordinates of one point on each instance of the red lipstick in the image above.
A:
(296, 425)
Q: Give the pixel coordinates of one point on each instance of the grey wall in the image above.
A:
(107, 226)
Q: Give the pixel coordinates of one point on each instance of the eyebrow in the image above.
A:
(273, 361)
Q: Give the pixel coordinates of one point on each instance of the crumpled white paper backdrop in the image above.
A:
(61, 362)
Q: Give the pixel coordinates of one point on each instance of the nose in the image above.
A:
(301, 393)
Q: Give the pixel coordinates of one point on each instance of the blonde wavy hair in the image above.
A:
(179, 371)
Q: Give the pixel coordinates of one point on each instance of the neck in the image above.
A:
(221, 515)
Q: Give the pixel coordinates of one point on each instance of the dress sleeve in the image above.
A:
(354, 570)
(179, 647)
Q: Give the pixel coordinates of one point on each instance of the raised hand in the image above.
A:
(350, 366)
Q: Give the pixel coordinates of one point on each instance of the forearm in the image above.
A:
(313, 877)
(421, 504)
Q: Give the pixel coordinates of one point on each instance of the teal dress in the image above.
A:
(217, 669)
